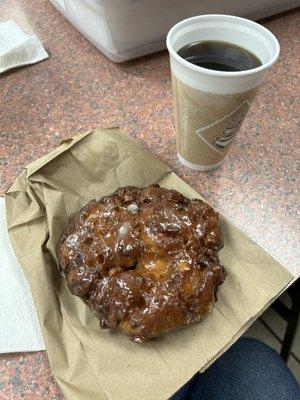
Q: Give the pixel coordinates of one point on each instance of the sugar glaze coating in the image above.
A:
(144, 259)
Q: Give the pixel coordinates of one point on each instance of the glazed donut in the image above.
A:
(144, 259)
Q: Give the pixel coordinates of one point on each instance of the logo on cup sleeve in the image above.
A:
(221, 133)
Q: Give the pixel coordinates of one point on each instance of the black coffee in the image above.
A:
(220, 56)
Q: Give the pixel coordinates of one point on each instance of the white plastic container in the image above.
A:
(126, 29)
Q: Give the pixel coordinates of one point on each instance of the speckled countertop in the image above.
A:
(78, 89)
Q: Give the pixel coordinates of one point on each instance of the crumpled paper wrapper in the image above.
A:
(89, 363)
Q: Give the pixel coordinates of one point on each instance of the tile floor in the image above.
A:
(270, 319)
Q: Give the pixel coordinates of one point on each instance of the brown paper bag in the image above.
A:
(89, 363)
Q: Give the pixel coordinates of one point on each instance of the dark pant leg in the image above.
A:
(249, 370)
